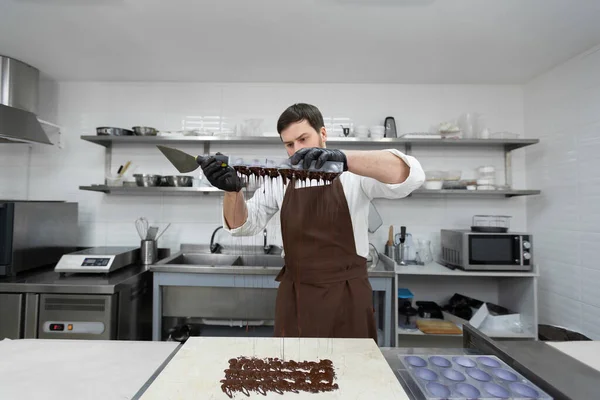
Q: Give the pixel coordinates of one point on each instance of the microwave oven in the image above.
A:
(35, 233)
(479, 251)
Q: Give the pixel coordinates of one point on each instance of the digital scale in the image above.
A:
(98, 260)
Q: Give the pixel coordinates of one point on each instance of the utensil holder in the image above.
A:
(399, 254)
(148, 251)
(390, 251)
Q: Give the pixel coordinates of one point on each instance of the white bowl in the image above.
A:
(433, 185)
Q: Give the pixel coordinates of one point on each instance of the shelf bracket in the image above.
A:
(107, 161)
(50, 129)
(508, 167)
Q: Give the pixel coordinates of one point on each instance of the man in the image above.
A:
(324, 289)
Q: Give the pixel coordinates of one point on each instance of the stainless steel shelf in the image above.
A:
(210, 190)
(475, 193)
(150, 190)
(507, 144)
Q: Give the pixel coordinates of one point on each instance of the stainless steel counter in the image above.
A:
(558, 374)
(45, 280)
(239, 284)
(378, 271)
(118, 305)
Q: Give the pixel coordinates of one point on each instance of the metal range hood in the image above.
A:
(18, 103)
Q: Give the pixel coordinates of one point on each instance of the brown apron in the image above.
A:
(324, 288)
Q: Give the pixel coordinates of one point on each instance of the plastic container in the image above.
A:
(377, 132)
(486, 172)
(361, 132)
(492, 223)
(434, 180)
(453, 175)
(435, 175)
(114, 180)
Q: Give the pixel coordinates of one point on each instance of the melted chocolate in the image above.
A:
(287, 174)
(257, 171)
(242, 169)
(271, 172)
(247, 375)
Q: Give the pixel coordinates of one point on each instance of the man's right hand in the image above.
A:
(224, 178)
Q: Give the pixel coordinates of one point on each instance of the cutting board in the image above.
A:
(196, 370)
(438, 327)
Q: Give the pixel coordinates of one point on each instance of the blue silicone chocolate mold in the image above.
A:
(441, 377)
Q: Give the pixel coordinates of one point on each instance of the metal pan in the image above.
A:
(145, 131)
(110, 131)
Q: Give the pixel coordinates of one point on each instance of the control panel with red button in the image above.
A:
(66, 327)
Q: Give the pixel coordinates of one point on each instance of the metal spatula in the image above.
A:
(185, 162)
(152, 231)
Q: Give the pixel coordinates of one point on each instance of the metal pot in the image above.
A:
(109, 131)
(147, 180)
(178, 180)
(145, 131)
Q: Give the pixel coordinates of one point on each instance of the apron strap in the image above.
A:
(324, 274)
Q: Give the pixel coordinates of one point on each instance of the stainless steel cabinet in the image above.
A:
(11, 315)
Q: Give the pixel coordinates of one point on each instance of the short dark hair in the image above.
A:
(300, 112)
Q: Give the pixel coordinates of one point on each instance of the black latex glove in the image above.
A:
(224, 178)
(309, 154)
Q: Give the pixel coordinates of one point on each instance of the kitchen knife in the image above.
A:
(185, 162)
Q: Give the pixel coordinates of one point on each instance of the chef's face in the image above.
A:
(300, 135)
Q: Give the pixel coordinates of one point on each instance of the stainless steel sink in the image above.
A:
(204, 259)
(226, 260)
(256, 260)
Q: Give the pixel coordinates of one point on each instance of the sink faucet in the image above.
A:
(215, 247)
(267, 247)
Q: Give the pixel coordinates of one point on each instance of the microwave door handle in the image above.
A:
(519, 251)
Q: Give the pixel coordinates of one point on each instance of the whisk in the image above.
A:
(141, 225)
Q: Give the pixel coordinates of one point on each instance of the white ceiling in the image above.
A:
(387, 41)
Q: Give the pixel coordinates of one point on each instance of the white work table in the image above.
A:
(78, 369)
(584, 351)
(95, 369)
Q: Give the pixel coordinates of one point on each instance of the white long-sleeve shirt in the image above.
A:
(359, 191)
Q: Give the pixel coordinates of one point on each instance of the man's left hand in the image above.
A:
(310, 154)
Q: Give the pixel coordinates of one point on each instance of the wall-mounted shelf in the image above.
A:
(150, 190)
(507, 144)
(475, 193)
(211, 190)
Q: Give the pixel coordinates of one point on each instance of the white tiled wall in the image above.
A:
(56, 173)
(562, 107)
